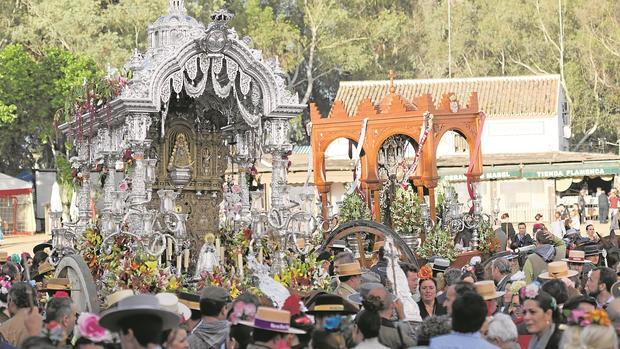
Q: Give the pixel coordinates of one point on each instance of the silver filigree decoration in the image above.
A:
(255, 95)
(244, 82)
(191, 67)
(220, 91)
(231, 69)
(165, 91)
(205, 62)
(177, 82)
(197, 90)
(217, 63)
(253, 120)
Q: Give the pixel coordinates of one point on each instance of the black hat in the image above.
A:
(331, 303)
(42, 246)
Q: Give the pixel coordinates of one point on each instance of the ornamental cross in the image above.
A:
(392, 75)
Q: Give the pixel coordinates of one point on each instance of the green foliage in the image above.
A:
(7, 113)
(405, 211)
(353, 207)
(487, 242)
(438, 242)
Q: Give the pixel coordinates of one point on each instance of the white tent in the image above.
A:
(16, 207)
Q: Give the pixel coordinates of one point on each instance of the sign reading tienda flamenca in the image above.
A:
(536, 171)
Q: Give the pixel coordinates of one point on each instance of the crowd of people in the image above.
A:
(542, 292)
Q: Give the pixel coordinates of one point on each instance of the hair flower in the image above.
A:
(425, 272)
(598, 317)
(530, 291)
(88, 327)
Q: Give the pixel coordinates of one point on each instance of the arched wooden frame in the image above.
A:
(394, 116)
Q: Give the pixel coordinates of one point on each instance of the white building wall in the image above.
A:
(521, 136)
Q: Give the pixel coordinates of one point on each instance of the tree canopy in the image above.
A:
(50, 47)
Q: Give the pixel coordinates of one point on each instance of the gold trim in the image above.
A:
(329, 307)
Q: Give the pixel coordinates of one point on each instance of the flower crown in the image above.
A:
(580, 318)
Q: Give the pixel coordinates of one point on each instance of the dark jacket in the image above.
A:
(518, 242)
(509, 229)
(438, 309)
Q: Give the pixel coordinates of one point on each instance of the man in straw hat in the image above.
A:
(557, 270)
(139, 320)
(486, 289)
(271, 328)
(213, 328)
(349, 275)
(192, 301)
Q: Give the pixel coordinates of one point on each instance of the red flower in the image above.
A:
(292, 304)
(61, 294)
(52, 325)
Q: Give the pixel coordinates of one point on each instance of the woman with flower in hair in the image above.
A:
(89, 334)
(589, 330)
(542, 317)
(243, 308)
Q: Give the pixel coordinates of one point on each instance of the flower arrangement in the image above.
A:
(353, 207)
(88, 327)
(5, 284)
(405, 211)
(125, 267)
(580, 318)
(303, 275)
(487, 242)
(439, 242)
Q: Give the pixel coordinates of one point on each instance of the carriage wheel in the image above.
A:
(84, 292)
(358, 227)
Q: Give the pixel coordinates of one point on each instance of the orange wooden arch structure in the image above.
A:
(394, 116)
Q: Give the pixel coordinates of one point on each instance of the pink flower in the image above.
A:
(531, 291)
(88, 327)
(236, 189)
(123, 186)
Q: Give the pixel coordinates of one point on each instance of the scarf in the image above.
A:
(212, 333)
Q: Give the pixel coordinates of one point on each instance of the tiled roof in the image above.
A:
(506, 96)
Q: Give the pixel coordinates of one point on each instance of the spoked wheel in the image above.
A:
(84, 291)
(359, 229)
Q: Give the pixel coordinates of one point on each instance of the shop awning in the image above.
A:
(533, 171)
(603, 168)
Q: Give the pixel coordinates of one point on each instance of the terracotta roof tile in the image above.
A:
(506, 96)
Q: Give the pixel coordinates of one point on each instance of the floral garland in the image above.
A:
(88, 327)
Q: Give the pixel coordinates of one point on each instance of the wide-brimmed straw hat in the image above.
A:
(60, 284)
(112, 299)
(557, 270)
(271, 319)
(486, 289)
(441, 264)
(350, 269)
(142, 304)
(170, 302)
(575, 256)
(192, 301)
(331, 303)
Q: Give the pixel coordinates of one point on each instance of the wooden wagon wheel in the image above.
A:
(84, 293)
(358, 227)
